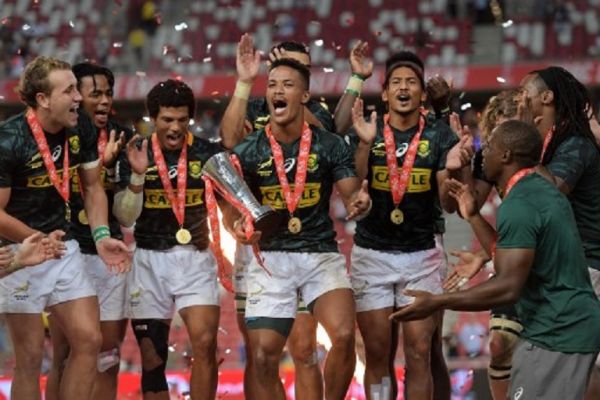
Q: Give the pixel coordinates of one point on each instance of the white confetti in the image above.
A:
(207, 59)
(192, 121)
(72, 24)
(319, 42)
(26, 27)
(507, 23)
(327, 70)
(181, 26)
(208, 47)
(141, 74)
(465, 106)
(146, 119)
(117, 45)
(500, 79)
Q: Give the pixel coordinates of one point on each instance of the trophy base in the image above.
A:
(268, 223)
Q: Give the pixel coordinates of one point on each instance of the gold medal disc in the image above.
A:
(183, 236)
(397, 216)
(295, 225)
(83, 217)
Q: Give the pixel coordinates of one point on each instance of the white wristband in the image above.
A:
(242, 90)
(137, 179)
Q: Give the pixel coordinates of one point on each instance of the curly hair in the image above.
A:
(35, 80)
(170, 93)
(502, 105)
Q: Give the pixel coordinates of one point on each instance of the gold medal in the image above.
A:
(83, 217)
(183, 236)
(294, 225)
(397, 216)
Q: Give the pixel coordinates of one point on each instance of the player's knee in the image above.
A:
(204, 344)
(30, 360)
(343, 337)
(86, 341)
(266, 362)
(497, 345)
(303, 351)
(154, 380)
(152, 337)
(418, 350)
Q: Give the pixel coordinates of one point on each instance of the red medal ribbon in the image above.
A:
(399, 182)
(177, 203)
(38, 134)
(102, 139)
(547, 141)
(224, 268)
(291, 200)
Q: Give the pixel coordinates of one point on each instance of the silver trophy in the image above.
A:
(221, 171)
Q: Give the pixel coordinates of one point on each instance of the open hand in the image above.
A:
(113, 147)
(423, 306)
(468, 265)
(115, 254)
(366, 131)
(358, 60)
(248, 59)
(465, 199)
(137, 157)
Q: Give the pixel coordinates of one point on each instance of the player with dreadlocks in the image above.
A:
(561, 106)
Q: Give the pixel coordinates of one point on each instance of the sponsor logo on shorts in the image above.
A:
(157, 198)
(253, 296)
(518, 393)
(43, 181)
(21, 292)
(420, 179)
(135, 297)
(273, 196)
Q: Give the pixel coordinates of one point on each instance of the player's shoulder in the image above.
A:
(13, 127)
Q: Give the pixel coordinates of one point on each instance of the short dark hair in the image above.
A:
(404, 59)
(298, 66)
(170, 93)
(292, 46)
(522, 139)
(84, 69)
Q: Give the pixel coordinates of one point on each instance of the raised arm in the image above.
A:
(234, 124)
(362, 69)
(366, 132)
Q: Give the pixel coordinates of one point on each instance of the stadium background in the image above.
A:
(482, 46)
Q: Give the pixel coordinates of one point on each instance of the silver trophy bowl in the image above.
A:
(220, 170)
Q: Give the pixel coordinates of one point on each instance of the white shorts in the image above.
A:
(243, 257)
(32, 289)
(309, 275)
(379, 278)
(162, 281)
(110, 287)
(439, 244)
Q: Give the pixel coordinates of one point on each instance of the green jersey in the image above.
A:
(557, 307)
(420, 202)
(577, 162)
(156, 227)
(330, 160)
(33, 199)
(258, 113)
(79, 223)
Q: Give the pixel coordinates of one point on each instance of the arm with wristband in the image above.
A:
(361, 71)
(233, 124)
(129, 202)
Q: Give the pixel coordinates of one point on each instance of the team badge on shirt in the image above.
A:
(423, 148)
(195, 169)
(74, 144)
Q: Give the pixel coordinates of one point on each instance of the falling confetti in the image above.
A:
(500, 79)
(465, 106)
(117, 45)
(207, 59)
(208, 47)
(319, 42)
(26, 27)
(140, 74)
(72, 24)
(507, 23)
(181, 26)
(327, 70)
(146, 119)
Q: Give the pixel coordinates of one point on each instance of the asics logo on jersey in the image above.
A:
(289, 164)
(56, 152)
(379, 149)
(518, 393)
(172, 171)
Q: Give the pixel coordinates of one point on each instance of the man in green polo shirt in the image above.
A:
(540, 265)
